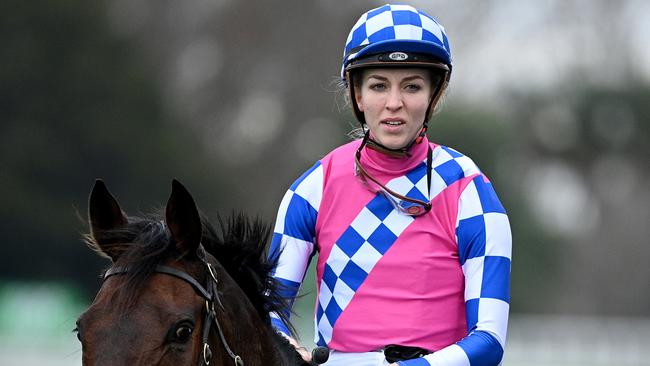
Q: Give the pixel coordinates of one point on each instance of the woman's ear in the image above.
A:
(358, 97)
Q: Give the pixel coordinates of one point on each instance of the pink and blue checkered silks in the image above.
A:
(391, 28)
(438, 281)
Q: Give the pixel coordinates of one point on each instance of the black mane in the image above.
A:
(240, 246)
(238, 243)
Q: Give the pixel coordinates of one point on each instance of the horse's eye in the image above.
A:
(182, 333)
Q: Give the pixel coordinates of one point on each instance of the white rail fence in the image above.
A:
(532, 341)
(575, 340)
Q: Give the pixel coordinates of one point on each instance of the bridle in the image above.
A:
(209, 294)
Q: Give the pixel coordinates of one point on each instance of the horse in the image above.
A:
(179, 291)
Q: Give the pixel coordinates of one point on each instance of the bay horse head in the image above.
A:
(178, 291)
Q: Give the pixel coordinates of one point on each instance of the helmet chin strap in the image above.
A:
(402, 151)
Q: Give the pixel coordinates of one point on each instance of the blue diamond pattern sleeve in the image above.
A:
(294, 235)
(485, 251)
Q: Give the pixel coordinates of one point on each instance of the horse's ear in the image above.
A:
(183, 220)
(105, 214)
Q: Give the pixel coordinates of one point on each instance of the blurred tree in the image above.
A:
(76, 104)
(582, 162)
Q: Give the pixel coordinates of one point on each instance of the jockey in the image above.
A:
(413, 245)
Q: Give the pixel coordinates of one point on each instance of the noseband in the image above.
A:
(210, 295)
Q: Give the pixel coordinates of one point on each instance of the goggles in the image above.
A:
(403, 204)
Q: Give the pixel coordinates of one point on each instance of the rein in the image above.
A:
(210, 295)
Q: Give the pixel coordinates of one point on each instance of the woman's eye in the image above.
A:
(377, 87)
(413, 87)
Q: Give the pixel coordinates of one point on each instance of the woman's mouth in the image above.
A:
(392, 125)
(393, 122)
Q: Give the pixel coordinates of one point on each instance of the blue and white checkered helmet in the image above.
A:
(397, 36)
(396, 29)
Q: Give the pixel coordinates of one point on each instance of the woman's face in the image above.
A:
(394, 102)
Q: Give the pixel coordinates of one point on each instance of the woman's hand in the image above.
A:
(302, 351)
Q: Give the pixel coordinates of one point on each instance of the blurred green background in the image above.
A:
(237, 98)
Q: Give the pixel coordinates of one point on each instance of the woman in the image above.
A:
(413, 245)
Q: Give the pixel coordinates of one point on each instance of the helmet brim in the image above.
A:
(404, 45)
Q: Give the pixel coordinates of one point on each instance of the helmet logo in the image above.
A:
(398, 56)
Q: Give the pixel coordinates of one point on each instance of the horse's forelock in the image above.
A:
(145, 244)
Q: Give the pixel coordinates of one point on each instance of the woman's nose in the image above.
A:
(394, 99)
